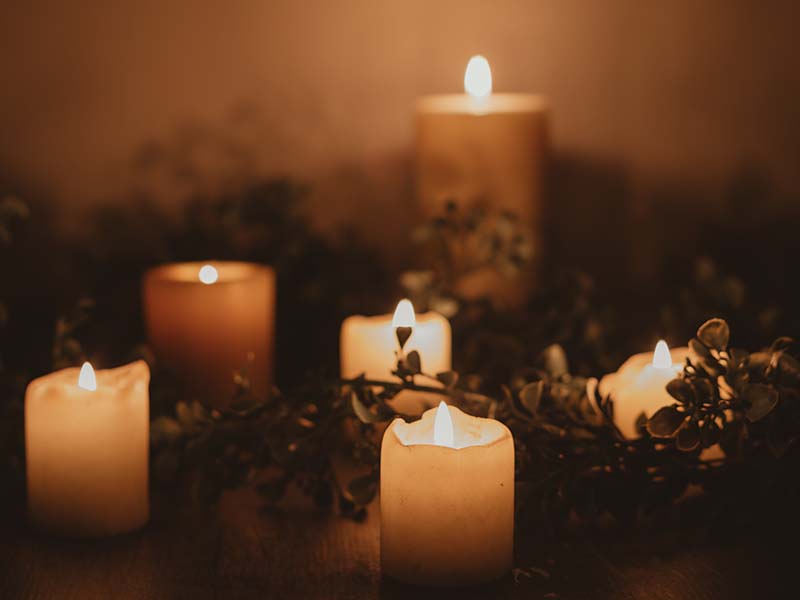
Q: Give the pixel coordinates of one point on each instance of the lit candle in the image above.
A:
(447, 499)
(369, 345)
(639, 386)
(206, 322)
(86, 442)
(483, 147)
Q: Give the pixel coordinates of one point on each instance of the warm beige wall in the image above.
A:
(685, 89)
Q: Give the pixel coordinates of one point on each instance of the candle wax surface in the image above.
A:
(447, 513)
(87, 452)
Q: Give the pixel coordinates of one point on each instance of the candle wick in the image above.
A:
(402, 333)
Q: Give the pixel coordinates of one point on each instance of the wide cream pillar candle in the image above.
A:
(207, 321)
(86, 443)
(640, 385)
(369, 346)
(447, 499)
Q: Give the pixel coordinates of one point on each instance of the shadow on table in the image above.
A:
(391, 589)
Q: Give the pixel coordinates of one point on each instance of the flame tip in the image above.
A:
(404, 315)
(478, 78)
(87, 380)
(662, 359)
(443, 433)
(208, 274)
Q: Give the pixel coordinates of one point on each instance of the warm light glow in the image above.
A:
(404, 315)
(87, 380)
(208, 274)
(443, 427)
(478, 78)
(661, 357)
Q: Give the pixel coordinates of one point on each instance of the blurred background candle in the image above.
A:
(639, 386)
(86, 443)
(368, 345)
(482, 147)
(207, 321)
(447, 499)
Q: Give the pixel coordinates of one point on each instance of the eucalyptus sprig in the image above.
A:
(463, 242)
(728, 396)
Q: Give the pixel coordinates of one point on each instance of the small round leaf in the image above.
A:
(666, 422)
(714, 333)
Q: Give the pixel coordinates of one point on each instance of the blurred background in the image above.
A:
(651, 103)
(675, 127)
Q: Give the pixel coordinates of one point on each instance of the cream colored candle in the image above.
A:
(639, 386)
(369, 345)
(447, 499)
(86, 442)
(205, 322)
(483, 147)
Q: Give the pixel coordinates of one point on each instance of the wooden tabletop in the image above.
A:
(241, 550)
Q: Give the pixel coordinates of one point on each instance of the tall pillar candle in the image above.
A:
(207, 321)
(447, 499)
(86, 442)
(482, 146)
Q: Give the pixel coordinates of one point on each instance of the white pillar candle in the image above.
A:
(640, 385)
(208, 321)
(369, 345)
(482, 146)
(86, 441)
(447, 499)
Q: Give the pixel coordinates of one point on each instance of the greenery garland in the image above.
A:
(571, 460)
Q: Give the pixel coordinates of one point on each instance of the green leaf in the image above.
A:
(710, 435)
(732, 438)
(699, 349)
(780, 344)
(788, 370)
(758, 362)
(364, 414)
(185, 416)
(164, 430)
(363, 489)
(759, 400)
(531, 396)
(681, 390)
(199, 412)
(666, 422)
(714, 333)
(413, 363)
(555, 361)
(447, 378)
(688, 438)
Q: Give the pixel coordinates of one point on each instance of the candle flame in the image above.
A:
(478, 78)
(661, 357)
(443, 427)
(208, 274)
(87, 380)
(404, 314)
